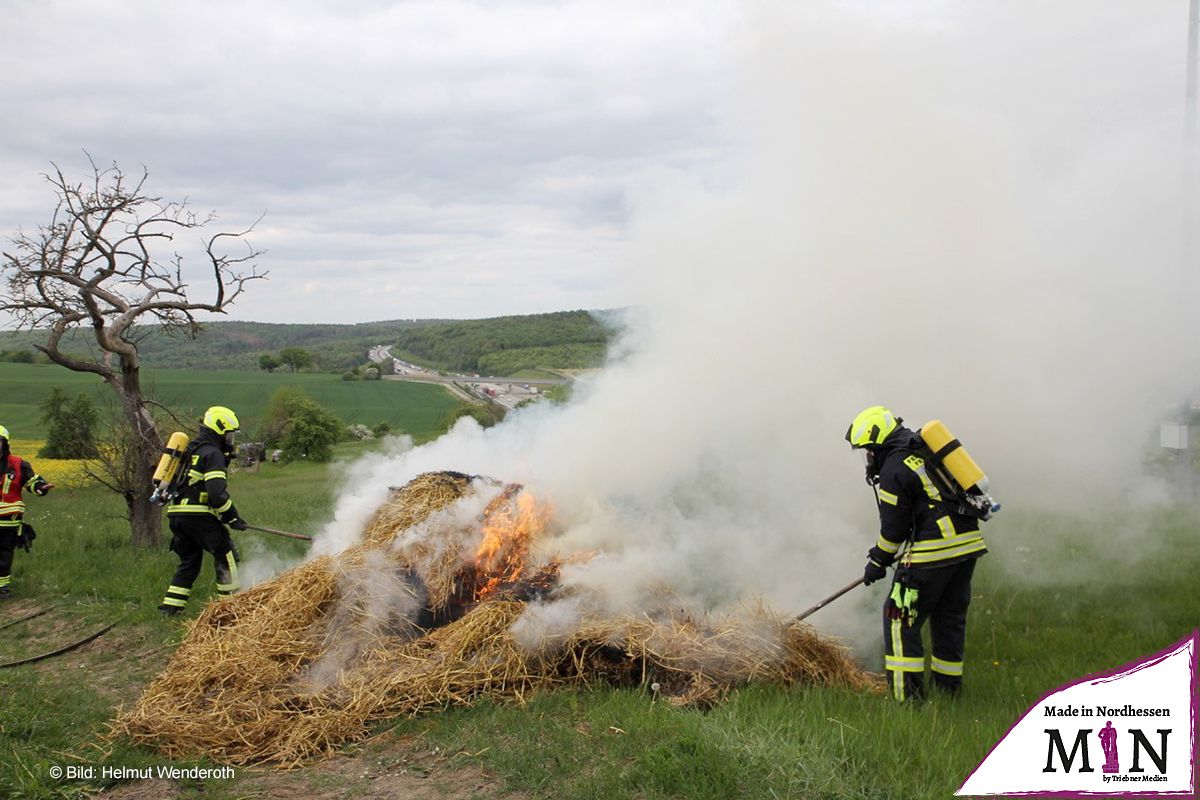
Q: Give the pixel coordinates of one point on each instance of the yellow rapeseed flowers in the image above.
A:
(65, 473)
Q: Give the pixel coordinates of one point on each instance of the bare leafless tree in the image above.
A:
(106, 265)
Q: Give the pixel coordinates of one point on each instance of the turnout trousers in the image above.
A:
(8, 544)
(943, 595)
(191, 536)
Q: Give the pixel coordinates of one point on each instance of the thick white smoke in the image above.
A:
(973, 215)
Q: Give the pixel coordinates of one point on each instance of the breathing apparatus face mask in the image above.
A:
(230, 437)
(872, 462)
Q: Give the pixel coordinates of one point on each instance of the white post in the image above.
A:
(1183, 453)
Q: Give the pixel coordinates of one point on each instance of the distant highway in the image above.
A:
(406, 371)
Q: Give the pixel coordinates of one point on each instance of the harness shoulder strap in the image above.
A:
(180, 480)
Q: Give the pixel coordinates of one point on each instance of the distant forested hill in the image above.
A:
(505, 345)
(238, 345)
(500, 346)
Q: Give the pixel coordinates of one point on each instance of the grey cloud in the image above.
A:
(412, 135)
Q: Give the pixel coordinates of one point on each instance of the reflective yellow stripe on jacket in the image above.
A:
(184, 506)
(917, 465)
(931, 550)
(886, 546)
(191, 508)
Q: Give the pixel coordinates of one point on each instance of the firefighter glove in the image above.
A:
(902, 603)
(238, 524)
(873, 572)
(25, 536)
(43, 489)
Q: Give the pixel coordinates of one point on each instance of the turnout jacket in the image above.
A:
(912, 508)
(18, 474)
(205, 486)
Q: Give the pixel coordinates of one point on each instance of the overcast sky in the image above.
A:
(449, 158)
(432, 158)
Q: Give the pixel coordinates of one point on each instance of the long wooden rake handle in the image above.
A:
(829, 599)
(277, 532)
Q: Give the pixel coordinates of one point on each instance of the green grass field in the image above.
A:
(1082, 605)
(414, 408)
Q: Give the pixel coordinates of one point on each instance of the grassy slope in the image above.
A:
(82, 566)
(414, 408)
(1074, 612)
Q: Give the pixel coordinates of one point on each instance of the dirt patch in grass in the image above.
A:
(115, 665)
(144, 790)
(120, 662)
(13, 608)
(399, 770)
(56, 627)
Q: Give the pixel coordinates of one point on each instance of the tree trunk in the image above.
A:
(145, 518)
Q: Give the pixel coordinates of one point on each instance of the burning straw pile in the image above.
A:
(420, 616)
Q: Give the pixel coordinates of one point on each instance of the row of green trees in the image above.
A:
(300, 426)
(582, 355)
(294, 423)
(294, 358)
(227, 344)
(370, 372)
(19, 356)
(566, 339)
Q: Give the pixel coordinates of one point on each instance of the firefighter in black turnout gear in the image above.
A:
(936, 545)
(202, 508)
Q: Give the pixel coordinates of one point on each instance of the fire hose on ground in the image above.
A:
(30, 615)
(64, 649)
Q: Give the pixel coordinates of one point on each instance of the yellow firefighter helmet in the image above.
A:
(872, 427)
(220, 419)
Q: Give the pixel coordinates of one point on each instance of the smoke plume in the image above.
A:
(973, 214)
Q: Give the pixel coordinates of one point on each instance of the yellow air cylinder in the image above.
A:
(953, 456)
(168, 465)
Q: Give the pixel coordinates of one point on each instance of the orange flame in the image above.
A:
(510, 525)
